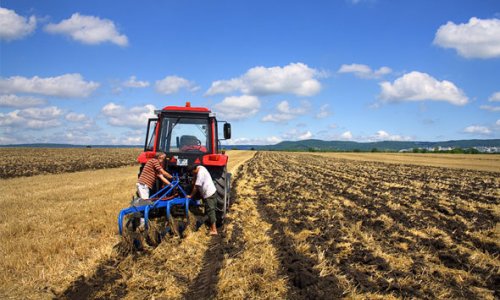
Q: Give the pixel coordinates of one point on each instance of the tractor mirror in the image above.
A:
(227, 131)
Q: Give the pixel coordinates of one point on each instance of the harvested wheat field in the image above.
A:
(302, 226)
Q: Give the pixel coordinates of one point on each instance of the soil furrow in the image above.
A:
(389, 226)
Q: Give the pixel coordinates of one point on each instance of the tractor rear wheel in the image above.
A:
(222, 181)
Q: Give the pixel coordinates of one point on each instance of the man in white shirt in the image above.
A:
(205, 185)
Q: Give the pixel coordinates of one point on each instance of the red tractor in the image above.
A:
(187, 135)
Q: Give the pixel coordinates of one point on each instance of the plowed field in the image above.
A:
(17, 162)
(343, 227)
(312, 227)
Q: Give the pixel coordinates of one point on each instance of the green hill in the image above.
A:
(320, 145)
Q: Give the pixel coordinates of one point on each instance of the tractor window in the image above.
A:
(150, 137)
(184, 135)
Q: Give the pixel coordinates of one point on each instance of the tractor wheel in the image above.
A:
(222, 183)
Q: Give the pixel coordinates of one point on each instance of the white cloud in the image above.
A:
(479, 38)
(295, 78)
(132, 82)
(284, 107)
(354, 2)
(382, 135)
(324, 112)
(417, 86)
(364, 71)
(14, 26)
(67, 85)
(20, 101)
(46, 113)
(134, 117)
(89, 30)
(238, 107)
(74, 117)
(346, 135)
(475, 129)
(286, 113)
(32, 118)
(306, 135)
(77, 137)
(495, 97)
(498, 122)
(172, 84)
(272, 140)
(277, 118)
(295, 134)
(490, 108)
(133, 140)
(4, 140)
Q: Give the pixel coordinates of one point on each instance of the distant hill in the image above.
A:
(315, 145)
(52, 145)
(320, 145)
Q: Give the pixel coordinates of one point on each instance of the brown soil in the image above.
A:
(340, 228)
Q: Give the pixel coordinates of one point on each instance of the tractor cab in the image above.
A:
(187, 134)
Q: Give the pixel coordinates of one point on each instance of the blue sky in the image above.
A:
(92, 72)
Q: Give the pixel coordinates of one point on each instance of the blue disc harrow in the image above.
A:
(160, 203)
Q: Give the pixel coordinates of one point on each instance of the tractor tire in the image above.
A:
(222, 181)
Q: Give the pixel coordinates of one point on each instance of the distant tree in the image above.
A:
(374, 150)
(416, 150)
(356, 150)
(253, 149)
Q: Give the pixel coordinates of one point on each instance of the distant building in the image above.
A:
(487, 149)
(481, 149)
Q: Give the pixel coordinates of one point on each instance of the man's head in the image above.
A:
(160, 155)
(193, 168)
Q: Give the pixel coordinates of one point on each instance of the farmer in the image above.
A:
(204, 184)
(150, 172)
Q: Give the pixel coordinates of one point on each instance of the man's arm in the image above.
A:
(163, 179)
(193, 192)
(165, 173)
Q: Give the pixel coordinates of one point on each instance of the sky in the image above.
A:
(93, 72)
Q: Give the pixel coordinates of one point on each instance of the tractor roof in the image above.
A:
(186, 108)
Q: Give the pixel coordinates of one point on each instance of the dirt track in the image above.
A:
(310, 227)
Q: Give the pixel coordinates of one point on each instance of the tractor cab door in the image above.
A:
(149, 145)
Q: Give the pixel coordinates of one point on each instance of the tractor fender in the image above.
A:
(215, 160)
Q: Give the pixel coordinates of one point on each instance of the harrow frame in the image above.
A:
(157, 201)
